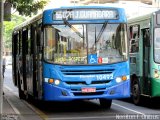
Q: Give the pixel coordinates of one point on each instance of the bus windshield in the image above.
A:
(85, 43)
(157, 45)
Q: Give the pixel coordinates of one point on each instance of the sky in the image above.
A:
(132, 8)
(57, 3)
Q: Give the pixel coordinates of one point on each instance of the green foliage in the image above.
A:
(28, 7)
(8, 29)
(25, 8)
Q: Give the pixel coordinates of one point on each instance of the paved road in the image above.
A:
(81, 110)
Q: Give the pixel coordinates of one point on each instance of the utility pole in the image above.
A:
(1, 51)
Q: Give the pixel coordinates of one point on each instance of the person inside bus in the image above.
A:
(108, 53)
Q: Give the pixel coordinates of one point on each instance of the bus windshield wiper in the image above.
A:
(101, 31)
(73, 28)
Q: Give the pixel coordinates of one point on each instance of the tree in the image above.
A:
(28, 7)
(25, 8)
(8, 29)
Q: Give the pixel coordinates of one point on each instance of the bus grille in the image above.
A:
(84, 83)
(75, 85)
(86, 72)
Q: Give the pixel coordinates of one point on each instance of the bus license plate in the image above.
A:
(87, 90)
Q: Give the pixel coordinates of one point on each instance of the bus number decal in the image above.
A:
(104, 77)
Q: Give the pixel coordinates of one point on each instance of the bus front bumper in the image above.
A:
(55, 93)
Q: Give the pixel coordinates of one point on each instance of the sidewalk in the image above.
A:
(13, 107)
(8, 112)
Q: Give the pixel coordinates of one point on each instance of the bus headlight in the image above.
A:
(122, 78)
(57, 82)
(53, 81)
(118, 79)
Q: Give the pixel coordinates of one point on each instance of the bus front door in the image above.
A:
(146, 52)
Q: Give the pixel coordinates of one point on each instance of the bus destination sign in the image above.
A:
(83, 14)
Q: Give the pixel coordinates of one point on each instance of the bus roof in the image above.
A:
(141, 17)
(31, 20)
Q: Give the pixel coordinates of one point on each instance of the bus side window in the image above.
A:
(134, 38)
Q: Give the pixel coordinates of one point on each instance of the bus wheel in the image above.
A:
(136, 93)
(105, 103)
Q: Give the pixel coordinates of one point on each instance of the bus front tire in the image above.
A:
(105, 103)
(136, 96)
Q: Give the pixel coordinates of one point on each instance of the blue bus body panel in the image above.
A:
(48, 16)
(74, 78)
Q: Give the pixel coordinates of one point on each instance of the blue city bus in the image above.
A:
(73, 53)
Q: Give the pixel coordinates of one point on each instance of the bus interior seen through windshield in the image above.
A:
(70, 44)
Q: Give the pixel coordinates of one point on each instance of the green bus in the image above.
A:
(144, 34)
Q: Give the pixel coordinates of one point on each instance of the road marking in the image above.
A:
(11, 90)
(39, 112)
(13, 107)
(8, 88)
(17, 112)
(128, 109)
